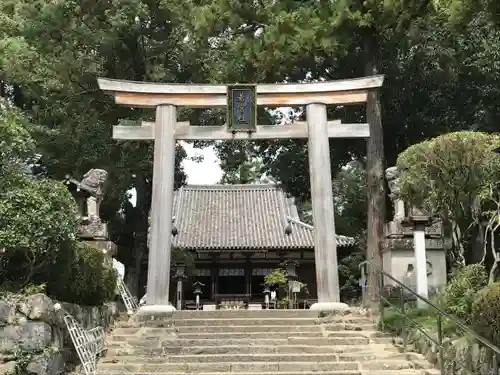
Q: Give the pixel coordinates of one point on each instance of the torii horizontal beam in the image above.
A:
(145, 94)
(186, 132)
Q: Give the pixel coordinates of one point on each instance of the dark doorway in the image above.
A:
(257, 288)
(232, 285)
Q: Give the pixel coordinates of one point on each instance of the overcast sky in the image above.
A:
(206, 172)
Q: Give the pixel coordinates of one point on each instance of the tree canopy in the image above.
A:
(440, 58)
(456, 177)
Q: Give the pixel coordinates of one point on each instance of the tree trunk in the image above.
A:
(375, 173)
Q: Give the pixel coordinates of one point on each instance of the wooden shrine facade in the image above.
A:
(240, 233)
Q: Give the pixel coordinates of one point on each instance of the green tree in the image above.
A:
(50, 55)
(456, 177)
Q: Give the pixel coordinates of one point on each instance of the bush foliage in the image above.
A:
(461, 290)
(85, 278)
(276, 277)
(37, 221)
(38, 226)
(486, 312)
(444, 172)
(455, 177)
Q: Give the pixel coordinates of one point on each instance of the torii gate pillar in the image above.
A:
(325, 244)
(158, 284)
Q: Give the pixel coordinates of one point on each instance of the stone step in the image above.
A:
(347, 372)
(295, 357)
(181, 349)
(186, 343)
(156, 365)
(222, 335)
(142, 365)
(252, 339)
(357, 324)
(350, 327)
(276, 358)
(156, 342)
(246, 322)
(210, 350)
(267, 321)
(156, 331)
(353, 372)
(218, 329)
(257, 314)
(246, 328)
(250, 350)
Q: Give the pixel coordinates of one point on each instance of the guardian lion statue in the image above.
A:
(95, 180)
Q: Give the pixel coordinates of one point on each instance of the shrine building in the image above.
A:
(239, 233)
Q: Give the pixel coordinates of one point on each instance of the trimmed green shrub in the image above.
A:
(461, 290)
(276, 277)
(37, 222)
(486, 312)
(86, 280)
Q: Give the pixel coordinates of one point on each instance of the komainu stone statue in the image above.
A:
(392, 176)
(95, 180)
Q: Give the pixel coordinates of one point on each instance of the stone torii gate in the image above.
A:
(166, 130)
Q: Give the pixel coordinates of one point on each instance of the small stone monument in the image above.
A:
(399, 255)
(89, 193)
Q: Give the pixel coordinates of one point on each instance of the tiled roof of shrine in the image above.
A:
(240, 217)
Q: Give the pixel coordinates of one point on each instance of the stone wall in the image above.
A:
(462, 355)
(34, 339)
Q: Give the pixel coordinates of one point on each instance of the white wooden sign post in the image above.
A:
(166, 130)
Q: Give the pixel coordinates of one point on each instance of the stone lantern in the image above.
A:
(267, 295)
(291, 274)
(180, 275)
(197, 292)
(291, 269)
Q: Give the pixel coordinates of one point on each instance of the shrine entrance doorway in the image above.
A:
(242, 102)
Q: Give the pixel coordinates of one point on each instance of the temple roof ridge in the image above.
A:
(251, 217)
(234, 187)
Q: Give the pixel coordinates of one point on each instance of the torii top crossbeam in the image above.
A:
(144, 94)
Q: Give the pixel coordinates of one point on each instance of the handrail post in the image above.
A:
(381, 301)
(440, 342)
(403, 321)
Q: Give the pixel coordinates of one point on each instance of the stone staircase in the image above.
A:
(283, 342)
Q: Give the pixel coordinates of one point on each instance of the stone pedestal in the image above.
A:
(328, 306)
(399, 257)
(94, 234)
(155, 312)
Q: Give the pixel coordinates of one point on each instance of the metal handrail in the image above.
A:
(440, 312)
